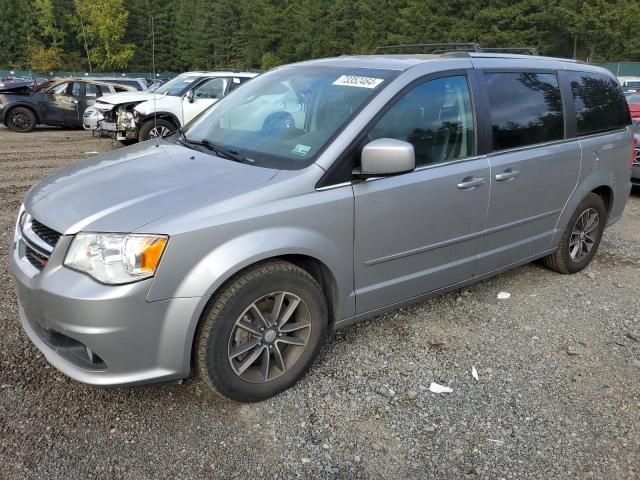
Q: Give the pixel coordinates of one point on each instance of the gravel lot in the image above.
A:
(558, 394)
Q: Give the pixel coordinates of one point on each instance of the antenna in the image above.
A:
(153, 68)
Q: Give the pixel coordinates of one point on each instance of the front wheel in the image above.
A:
(21, 119)
(155, 128)
(580, 240)
(262, 332)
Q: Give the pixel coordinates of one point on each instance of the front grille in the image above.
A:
(35, 258)
(47, 234)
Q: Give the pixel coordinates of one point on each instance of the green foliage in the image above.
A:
(103, 25)
(216, 34)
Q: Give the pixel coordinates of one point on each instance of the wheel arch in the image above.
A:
(171, 117)
(601, 183)
(11, 106)
(313, 266)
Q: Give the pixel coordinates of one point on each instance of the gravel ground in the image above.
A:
(558, 393)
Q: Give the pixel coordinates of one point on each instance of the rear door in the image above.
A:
(534, 168)
(420, 231)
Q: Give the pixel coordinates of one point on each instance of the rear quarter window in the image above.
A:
(599, 103)
(525, 108)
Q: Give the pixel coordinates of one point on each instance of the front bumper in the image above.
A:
(91, 120)
(100, 334)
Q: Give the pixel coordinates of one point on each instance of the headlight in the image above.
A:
(116, 259)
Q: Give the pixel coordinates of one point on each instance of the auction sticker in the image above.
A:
(360, 82)
(301, 150)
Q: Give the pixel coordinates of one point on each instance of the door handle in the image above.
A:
(470, 183)
(508, 174)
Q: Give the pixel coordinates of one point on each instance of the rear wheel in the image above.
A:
(580, 240)
(21, 119)
(155, 128)
(262, 332)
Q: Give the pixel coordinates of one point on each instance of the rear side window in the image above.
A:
(599, 103)
(526, 108)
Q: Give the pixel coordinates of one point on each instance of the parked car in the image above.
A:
(238, 242)
(635, 172)
(633, 101)
(140, 116)
(92, 117)
(138, 84)
(629, 84)
(16, 85)
(59, 103)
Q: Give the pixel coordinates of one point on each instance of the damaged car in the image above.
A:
(139, 116)
(60, 103)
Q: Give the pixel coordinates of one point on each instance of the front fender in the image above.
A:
(167, 115)
(232, 256)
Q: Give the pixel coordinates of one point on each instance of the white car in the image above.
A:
(629, 84)
(138, 116)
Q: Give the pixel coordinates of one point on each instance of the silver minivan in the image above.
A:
(317, 195)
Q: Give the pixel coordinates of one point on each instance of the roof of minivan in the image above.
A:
(406, 61)
(222, 74)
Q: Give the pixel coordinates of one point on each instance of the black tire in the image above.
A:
(561, 260)
(128, 141)
(148, 127)
(218, 332)
(21, 119)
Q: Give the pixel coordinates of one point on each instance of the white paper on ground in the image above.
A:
(436, 388)
(474, 372)
(504, 295)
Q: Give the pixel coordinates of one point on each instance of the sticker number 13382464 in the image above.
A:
(360, 82)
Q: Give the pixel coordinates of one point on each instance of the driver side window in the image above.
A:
(211, 89)
(436, 118)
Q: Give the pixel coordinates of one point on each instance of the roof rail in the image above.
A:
(517, 50)
(436, 48)
(460, 48)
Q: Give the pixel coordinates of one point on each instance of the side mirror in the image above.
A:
(386, 156)
(191, 96)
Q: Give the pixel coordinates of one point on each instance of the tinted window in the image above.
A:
(526, 108)
(599, 102)
(435, 117)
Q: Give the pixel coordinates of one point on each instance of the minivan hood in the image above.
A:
(124, 189)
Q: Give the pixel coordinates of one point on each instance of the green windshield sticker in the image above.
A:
(360, 82)
(301, 150)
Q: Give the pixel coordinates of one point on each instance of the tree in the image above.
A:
(103, 24)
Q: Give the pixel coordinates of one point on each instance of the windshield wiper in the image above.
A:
(227, 152)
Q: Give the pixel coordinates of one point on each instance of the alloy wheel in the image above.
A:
(584, 235)
(269, 337)
(21, 120)
(160, 131)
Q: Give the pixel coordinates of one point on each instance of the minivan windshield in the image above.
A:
(284, 118)
(177, 86)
